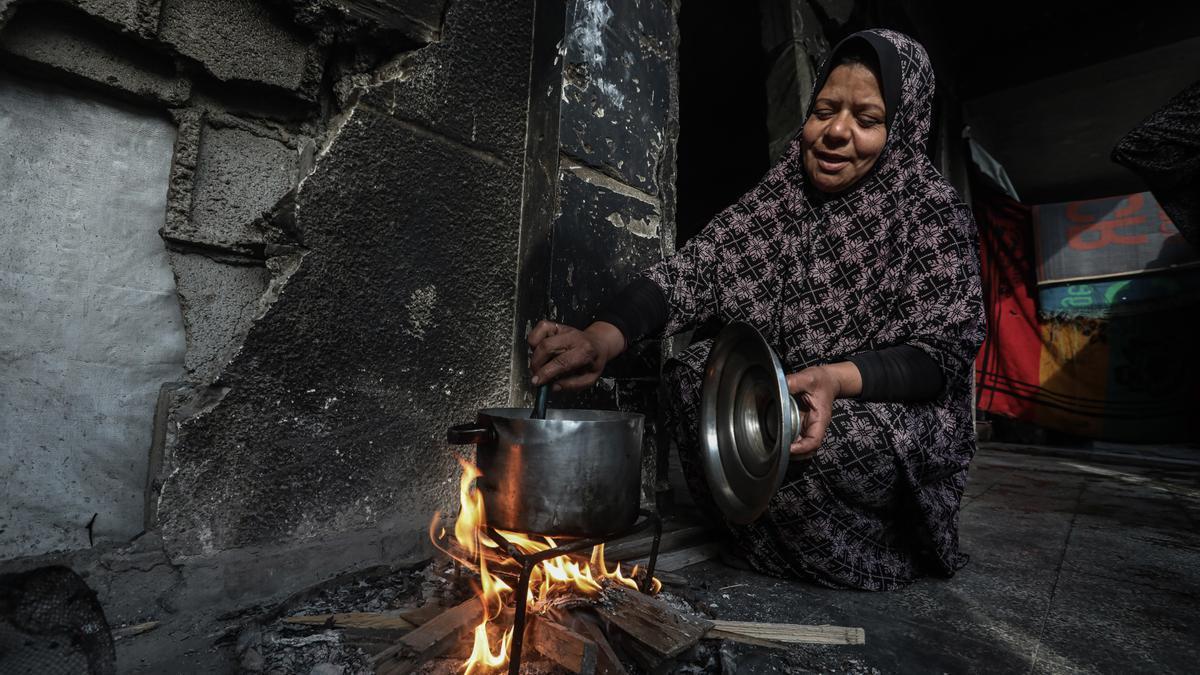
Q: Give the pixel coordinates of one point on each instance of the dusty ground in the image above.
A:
(1077, 565)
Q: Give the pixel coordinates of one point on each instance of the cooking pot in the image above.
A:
(574, 473)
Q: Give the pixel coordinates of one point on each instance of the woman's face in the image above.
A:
(845, 133)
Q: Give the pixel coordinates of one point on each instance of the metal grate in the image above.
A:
(52, 624)
(529, 561)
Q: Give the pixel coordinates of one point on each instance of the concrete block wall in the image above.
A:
(329, 414)
(342, 216)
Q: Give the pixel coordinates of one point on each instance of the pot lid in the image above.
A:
(744, 438)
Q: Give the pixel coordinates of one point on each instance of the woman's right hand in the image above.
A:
(572, 358)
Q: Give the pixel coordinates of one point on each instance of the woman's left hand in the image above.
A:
(816, 388)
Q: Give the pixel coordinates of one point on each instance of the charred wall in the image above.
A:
(341, 222)
(394, 325)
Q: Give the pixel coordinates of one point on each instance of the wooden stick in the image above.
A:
(715, 634)
(373, 620)
(788, 633)
(420, 615)
(650, 621)
(562, 645)
(607, 661)
(135, 629)
(640, 547)
(677, 560)
(429, 640)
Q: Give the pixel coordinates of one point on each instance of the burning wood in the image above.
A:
(562, 645)
(431, 639)
(607, 662)
(658, 627)
(576, 608)
(552, 581)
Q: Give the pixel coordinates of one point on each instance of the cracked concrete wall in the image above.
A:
(252, 86)
(395, 324)
(344, 213)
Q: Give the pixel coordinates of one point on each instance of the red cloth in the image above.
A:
(1007, 367)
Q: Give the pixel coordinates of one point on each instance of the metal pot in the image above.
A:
(576, 473)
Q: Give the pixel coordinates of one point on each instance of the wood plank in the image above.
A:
(136, 629)
(607, 661)
(789, 633)
(429, 640)
(420, 615)
(677, 560)
(715, 634)
(628, 549)
(562, 645)
(372, 620)
(650, 621)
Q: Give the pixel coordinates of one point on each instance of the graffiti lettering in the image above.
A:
(1088, 232)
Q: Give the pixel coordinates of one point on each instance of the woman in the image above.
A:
(857, 261)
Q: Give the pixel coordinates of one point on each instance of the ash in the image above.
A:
(270, 645)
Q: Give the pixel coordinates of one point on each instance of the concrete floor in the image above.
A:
(1076, 566)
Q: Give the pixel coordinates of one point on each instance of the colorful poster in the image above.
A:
(1106, 237)
(1110, 358)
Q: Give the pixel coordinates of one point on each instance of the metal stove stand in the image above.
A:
(529, 561)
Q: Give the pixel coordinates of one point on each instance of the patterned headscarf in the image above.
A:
(893, 259)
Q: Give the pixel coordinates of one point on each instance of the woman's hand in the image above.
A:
(816, 388)
(572, 358)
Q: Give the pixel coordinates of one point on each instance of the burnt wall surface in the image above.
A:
(395, 323)
(341, 221)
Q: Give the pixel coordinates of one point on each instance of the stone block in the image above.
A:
(56, 38)
(239, 176)
(123, 13)
(219, 303)
(618, 65)
(420, 20)
(473, 86)
(243, 41)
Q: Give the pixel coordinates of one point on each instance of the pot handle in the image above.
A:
(470, 433)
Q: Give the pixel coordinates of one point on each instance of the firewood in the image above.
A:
(628, 549)
(652, 622)
(644, 658)
(677, 560)
(136, 629)
(372, 632)
(372, 620)
(787, 633)
(429, 640)
(562, 645)
(607, 662)
(420, 615)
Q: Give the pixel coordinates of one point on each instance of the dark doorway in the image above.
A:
(723, 143)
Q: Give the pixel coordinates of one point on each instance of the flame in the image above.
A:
(482, 659)
(558, 577)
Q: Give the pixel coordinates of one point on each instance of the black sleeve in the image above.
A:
(1164, 150)
(900, 374)
(640, 309)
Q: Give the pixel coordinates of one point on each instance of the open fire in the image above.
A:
(553, 580)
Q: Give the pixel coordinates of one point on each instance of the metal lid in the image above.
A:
(744, 439)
